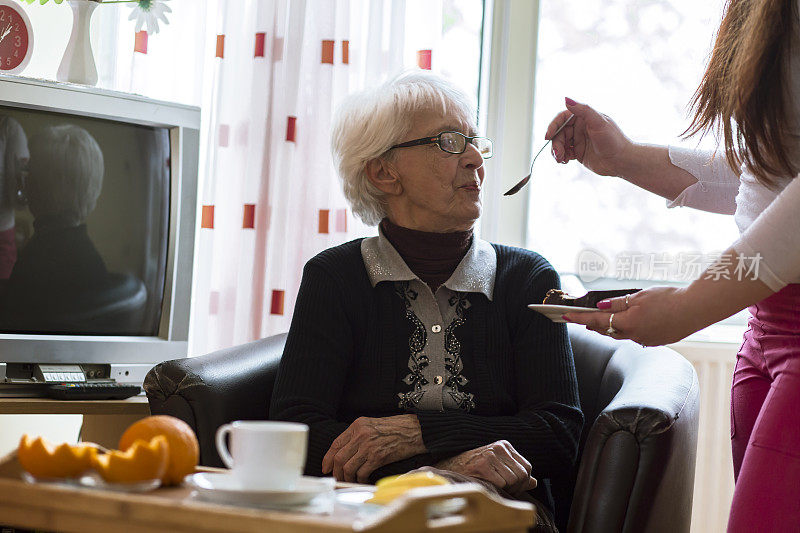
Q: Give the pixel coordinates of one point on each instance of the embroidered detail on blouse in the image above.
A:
(416, 343)
(453, 364)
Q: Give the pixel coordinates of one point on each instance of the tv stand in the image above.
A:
(104, 421)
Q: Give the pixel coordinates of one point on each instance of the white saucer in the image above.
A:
(224, 488)
(554, 312)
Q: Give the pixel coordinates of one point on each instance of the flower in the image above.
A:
(149, 12)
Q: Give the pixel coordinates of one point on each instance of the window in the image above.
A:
(639, 63)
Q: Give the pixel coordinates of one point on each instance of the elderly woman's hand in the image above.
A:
(651, 317)
(592, 138)
(498, 463)
(370, 443)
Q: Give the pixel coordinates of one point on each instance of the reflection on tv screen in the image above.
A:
(84, 218)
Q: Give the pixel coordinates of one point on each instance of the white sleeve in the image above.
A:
(775, 236)
(717, 184)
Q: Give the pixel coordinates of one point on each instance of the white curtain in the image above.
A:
(271, 198)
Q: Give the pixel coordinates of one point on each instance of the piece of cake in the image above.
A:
(590, 299)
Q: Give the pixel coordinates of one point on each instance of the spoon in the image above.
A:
(516, 188)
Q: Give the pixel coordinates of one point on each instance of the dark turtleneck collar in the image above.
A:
(433, 257)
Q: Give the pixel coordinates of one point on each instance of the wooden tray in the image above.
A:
(52, 507)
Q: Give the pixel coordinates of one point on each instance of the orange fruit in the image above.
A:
(184, 451)
(42, 460)
(142, 461)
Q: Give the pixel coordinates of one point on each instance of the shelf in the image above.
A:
(136, 405)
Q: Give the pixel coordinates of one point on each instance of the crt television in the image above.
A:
(98, 202)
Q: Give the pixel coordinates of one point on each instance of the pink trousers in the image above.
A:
(765, 418)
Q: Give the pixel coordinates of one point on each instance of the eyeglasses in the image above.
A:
(453, 142)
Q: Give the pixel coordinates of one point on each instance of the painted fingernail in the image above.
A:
(570, 101)
(555, 152)
(604, 304)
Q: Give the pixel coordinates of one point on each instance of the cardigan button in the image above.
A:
(436, 328)
(438, 380)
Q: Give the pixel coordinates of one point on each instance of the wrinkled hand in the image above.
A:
(498, 463)
(370, 443)
(652, 317)
(591, 138)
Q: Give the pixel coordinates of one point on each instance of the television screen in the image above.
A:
(84, 223)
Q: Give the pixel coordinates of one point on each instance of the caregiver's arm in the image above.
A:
(768, 251)
(767, 257)
(599, 144)
(663, 315)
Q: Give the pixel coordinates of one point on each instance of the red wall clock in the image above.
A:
(16, 37)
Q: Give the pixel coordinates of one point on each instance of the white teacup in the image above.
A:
(264, 455)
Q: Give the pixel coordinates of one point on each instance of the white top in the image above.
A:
(768, 220)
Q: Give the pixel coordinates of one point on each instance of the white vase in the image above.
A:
(78, 66)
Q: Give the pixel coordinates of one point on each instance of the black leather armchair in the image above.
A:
(637, 450)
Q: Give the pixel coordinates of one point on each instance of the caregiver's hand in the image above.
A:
(370, 443)
(652, 317)
(592, 138)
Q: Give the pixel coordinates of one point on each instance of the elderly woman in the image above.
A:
(415, 347)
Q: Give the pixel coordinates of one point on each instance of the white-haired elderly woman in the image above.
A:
(59, 262)
(415, 347)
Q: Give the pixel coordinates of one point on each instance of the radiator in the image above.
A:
(713, 484)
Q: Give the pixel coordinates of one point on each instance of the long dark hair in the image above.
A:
(743, 91)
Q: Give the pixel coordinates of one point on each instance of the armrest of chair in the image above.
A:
(637, 467)
(210, 390)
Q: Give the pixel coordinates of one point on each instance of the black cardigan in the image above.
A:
(347, 354)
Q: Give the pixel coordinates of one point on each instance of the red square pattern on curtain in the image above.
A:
(224, 135)
(213, 302)
(324, 216)
(140, 42)
(424, 59)
(291, 129)
(260, 40)
(346, 52)
(341, 220)
(220, 46)
(276, 307)
(207, 217)
(327, 52)
(249, 220)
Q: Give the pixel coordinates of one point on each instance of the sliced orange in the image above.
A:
(43, 460)
(143, 461)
